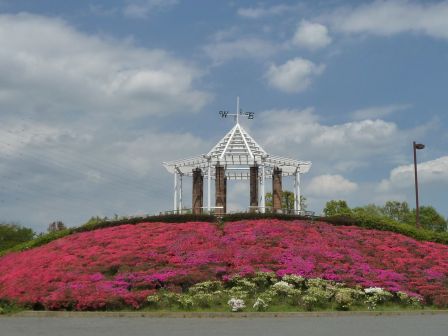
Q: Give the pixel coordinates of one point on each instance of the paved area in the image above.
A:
(413, 325)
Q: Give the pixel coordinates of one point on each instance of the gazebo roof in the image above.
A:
(237, 151)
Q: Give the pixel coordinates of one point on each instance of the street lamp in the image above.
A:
(417, 215)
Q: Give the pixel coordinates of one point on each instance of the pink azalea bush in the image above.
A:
(120, 266)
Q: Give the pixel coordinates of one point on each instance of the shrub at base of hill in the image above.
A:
(290, 293)
(8, 307)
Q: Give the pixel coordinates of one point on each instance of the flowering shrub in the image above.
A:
(376, 295)
(260, 305)
(295, 280)
(346, 297)
(121, 266)
(236, 304)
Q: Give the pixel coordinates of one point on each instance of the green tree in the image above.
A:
(429, 219)
(371, 210)
(337, 207)
(287, 200)
(13, 234)
(398, 211)
(56, 226)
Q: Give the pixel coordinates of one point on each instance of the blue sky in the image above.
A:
(94, 95)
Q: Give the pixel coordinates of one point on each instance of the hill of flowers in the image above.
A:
(122, 266)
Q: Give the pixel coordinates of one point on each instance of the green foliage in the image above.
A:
(206, 287)
(263, 292)
(13, 234)
(8, 307)
(56, 226)
(346, 297)
(385, 224)
(337, 207)
(430, 219)
(248, 216)
(95, 224)
(368, 210)
(407, 300)
(287, 200)
(38, 241)
(296, 280)
(264, 280)
(260, 304)
(393, 216)
(376, 296)
(397, 211)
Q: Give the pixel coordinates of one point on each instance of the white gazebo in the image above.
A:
(237, 156)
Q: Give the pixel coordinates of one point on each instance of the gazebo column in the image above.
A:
(225, 194)
(209, 183)
(175, 204)
(297, 205)
(277, 190)
(263, 192)
(220, 190)
(253, 188)
(198, 191)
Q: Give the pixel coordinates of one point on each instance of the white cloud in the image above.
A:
(141, 9)
(311, 35)
(434, 171)
(379, 111)
(223, 51)
(295, 75)
(48, 66)
(394, 17)
(343, 147)
(259, 12)
(74, 134)
(330, 186)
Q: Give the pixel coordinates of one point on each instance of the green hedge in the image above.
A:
(378, 223)
(385, 224)
(248, 216)
(49, 237)
(172, 218)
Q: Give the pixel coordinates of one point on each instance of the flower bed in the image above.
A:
(121, 266)
(264, 291)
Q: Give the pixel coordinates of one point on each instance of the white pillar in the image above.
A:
(295, 193)
(175, 191)
(297, 205)
(263, 201)
(209, 181)
(180, 193)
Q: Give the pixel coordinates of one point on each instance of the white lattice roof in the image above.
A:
(237, 142)
(237, 151)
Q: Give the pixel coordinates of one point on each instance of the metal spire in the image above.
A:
(237, 109)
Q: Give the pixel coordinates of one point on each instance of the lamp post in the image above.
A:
(417, 215)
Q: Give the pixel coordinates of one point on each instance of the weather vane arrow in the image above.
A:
(225, 113)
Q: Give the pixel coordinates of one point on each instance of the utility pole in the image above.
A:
(417, 208)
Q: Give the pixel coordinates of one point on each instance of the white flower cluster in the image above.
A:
(236, 304)
(282, 286)
(374, 290)
(260, 305)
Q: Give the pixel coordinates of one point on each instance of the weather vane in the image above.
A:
(225, 114)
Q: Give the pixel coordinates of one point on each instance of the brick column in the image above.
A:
(277, 190)
(253, 188)
(198, 191)
(225, 194)
(220, 189)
